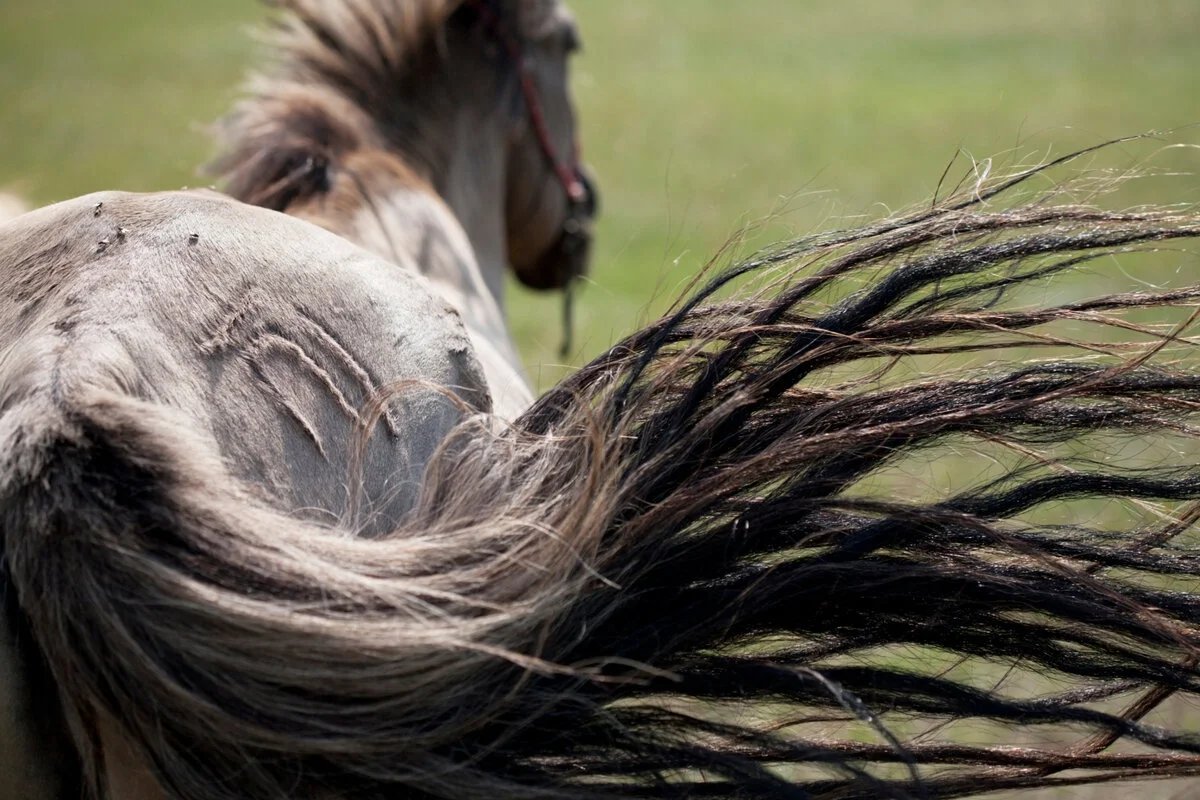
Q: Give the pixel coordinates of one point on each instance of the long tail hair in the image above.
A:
(711, 563)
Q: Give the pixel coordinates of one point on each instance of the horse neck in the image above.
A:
(441, 200)
(410, 223)
(446, 224)
(471, 181)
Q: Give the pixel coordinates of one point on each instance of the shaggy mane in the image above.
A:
(341, 83)
(366, 50)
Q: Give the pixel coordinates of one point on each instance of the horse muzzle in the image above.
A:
(568, 258)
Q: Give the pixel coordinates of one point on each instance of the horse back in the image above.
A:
(269, 334)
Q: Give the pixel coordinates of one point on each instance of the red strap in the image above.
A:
(567, 173)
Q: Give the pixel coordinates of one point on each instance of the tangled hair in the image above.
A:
(342, 81)
(684, 572)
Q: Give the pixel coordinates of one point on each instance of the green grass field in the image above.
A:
(699, 116)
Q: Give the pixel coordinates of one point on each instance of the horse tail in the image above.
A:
(111, 508)
(715, 562)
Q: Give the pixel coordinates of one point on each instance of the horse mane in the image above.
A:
(341, 81)
(673, 576)
(368, 51)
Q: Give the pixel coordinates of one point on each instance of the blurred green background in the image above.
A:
(700, 116)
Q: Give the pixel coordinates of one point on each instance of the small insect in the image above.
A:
(102, 245)
(96, 209)
(193, 238)
(121, 234)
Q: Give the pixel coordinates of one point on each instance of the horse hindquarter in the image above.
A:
(176, 366)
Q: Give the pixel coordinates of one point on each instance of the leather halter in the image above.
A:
(567, 171)
(574, 242)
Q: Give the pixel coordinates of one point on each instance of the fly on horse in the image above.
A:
(263, 538)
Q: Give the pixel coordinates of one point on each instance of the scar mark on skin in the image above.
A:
(272, 389)
(274, 341)
(313, 346)
(223, 336)
(350, 364)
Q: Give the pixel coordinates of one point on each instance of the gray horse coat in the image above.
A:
(265, 335)
(264, 331)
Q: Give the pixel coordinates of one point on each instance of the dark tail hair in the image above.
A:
(697, 568)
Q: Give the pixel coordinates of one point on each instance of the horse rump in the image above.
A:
(829, 536)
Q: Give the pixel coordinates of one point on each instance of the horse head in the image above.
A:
(468, 98)
(551, 201)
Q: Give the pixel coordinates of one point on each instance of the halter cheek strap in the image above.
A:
(575, 234)
(567, 171)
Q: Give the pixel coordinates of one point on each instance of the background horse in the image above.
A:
(437, 134)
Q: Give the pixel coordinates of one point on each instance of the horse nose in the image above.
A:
(591, 195)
